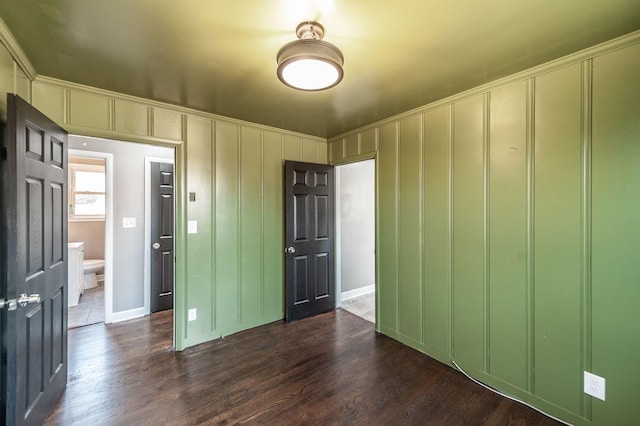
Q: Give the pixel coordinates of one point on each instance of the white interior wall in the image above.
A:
(356, 216)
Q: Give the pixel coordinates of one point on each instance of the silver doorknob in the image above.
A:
(156, 246)
(290, 250)
(22, 301)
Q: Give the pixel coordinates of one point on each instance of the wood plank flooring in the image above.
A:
(331, 369)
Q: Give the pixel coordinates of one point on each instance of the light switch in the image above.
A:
(128, 222)
(192, 227)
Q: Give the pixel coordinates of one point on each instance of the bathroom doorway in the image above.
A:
(125, 222)
(90, 214)
(355, 231)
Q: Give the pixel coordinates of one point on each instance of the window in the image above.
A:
(87, 192)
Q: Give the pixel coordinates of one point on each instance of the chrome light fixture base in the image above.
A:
(310, 63)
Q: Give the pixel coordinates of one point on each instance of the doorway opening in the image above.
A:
(90, 252)
(126, 245)
(355, 242)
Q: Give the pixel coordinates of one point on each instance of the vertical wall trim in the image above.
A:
(262, 248)
(239, 221)
(359, 143)
(214, 281)
(487, 272)
(66, 106)
(586, 226)
(396, 224)
(111, 114)
(452, 117)
(14, 81)
(150, 121)
(181, 285)
(343, 145)
(422, 231)
(530, 237)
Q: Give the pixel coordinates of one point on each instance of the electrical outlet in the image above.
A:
(192, 227)
(594, 385)
(192, 314)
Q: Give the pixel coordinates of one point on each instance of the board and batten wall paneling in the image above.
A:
(273, 223)
(387, 229)
(410, 229)
(437, 227)
(231, 271)
(507, 257)
(615, 297)
(558, 236)
(468, 240)
(199, 259)
(227, 246)
(251, 224)
(521, 199)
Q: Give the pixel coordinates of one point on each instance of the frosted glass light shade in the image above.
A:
(310, 65)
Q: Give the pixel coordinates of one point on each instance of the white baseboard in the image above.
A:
(127, 315)
(357, 292)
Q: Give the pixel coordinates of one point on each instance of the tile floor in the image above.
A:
(90, 309)
(362, 306)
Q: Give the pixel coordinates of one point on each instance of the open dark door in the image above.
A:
(33, 221)
(309, 224)
(161, 236)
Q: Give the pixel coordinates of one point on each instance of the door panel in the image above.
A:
(162, 202)
(33, 220)
(309, 205)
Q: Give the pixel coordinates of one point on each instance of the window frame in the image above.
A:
(79, 167)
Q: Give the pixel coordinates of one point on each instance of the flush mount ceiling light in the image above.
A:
(310, 63)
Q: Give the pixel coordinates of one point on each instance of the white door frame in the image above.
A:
(147, 227)
(108, 227)
(338, 226)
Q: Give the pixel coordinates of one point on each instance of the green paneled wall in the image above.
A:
(558, 219)
(436, 241)
(507, 235)
(509, 229)
(231, 270)
(615, 291)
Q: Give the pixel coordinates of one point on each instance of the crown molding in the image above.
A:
(7, 39)
(107, 94)
(570, 59)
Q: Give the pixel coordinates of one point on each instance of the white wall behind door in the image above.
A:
(356, 192)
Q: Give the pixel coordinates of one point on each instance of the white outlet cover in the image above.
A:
(192, 227)
(594, 385)
(128, 222)
(192, 314)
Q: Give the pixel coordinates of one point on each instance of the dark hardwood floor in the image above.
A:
(331, 369)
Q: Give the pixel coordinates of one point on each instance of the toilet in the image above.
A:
(91, 267)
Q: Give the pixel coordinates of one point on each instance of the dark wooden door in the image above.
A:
(309, 239)
(161, 236)
(33, 170)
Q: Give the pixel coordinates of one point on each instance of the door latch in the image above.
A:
(22, 301)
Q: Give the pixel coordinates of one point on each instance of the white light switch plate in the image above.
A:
(594, 385)
(192, 227)
(192, 314)
(128, 222)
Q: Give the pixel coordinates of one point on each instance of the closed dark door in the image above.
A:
(33, 170)
(161, 236)
(309, 223)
